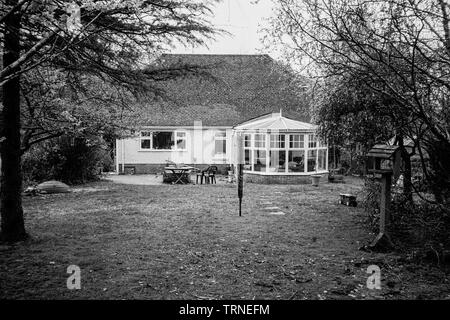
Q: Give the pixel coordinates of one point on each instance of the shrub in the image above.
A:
(71, 161)
(371, 196)
(421, 226)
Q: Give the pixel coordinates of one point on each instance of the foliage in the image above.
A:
(423, 226)
(397, 50)
(69, 160)
(62, 67)
(371, 196)
(348, 112)
(420, 225)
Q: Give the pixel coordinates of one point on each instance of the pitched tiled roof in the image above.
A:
(239, 87)
(215, 115)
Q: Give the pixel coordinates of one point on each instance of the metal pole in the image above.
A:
(240, 185)
(240, 169)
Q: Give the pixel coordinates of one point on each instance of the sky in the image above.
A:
(242, 19)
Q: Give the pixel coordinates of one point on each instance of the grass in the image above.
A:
(188, 242)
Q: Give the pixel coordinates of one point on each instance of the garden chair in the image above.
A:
(209, 174)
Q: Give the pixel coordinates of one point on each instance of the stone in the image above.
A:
(277, 213)
(53, 187)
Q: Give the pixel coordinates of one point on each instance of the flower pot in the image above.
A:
(230, 176)
(315, 180)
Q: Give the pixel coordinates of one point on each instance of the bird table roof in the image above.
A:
(382, 151)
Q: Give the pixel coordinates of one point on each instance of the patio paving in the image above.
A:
(149, 179)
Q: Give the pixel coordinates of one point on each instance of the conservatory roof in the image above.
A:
(275, 122)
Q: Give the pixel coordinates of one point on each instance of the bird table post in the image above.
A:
(240, 170)
(385, 163)
(385, 202)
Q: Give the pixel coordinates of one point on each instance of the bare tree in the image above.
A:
(113, 43)
(397, 48)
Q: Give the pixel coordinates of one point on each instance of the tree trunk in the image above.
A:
(12, 223)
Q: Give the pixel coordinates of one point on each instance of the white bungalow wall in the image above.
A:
(200, 149)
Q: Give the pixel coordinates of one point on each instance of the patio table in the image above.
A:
(179, 173)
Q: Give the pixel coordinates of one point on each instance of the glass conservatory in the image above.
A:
(282, 149)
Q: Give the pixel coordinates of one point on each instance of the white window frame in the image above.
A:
(263, 140)
(220, 138)
(302, 145)
(150, 137)
(184, 138)
(301, 142)
(277, 141)
(312, 143)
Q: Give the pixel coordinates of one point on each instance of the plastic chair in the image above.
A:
(210, 174)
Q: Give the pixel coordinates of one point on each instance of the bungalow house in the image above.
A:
(202, 128)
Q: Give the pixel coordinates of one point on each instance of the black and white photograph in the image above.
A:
(212, 151)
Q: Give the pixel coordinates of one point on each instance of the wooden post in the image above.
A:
(382, 242)
(385, 201)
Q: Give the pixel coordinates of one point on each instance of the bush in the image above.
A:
(71, 161)
(371, 197)
(420, 225)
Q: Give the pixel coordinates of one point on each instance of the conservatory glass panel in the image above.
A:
(312, 141)
(296, 161)
(247, 140)
(312, 154)
(296, 141)
(259, 159)
(260, 140)
(277, 161)
(247, 160)
(277, 141)
(322, 160)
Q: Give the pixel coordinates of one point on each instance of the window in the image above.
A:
(146, 139)
(247, 152)
(260, 140)
(296, 161)
(247, 140)
(312, 155)
(277, 161)
(259, 159)
(181, 141)
(322, 160)
(163, 140)
(296, 141)
(277, 141)
(312, 141)
(247, 160)
(220, 141)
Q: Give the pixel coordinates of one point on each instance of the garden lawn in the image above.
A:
(188, 242)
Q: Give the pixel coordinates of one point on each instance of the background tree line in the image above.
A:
(381, 71)
(72, 79)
